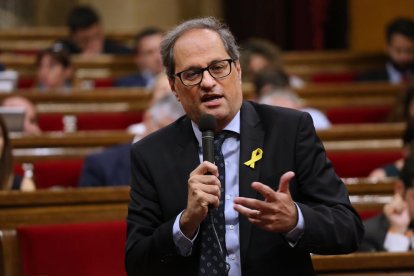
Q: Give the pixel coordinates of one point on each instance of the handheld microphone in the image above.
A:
(207, 126)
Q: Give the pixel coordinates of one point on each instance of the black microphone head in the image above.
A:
(207, 122)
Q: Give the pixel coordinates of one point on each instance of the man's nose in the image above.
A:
(208, 80)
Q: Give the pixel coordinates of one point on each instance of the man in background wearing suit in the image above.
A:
(400, 50)
(147, 58)
(393, 230)
(278, 200)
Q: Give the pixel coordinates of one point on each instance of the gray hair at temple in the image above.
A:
(209, 23)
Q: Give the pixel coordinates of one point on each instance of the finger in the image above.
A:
(285, 181)
(204, 168)
(205, 179)
(247, 212)
(251, 203)
(264, 190)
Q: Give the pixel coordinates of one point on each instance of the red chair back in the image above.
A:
(73, 249)
(361, 163)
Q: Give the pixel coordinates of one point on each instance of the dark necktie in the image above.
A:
(212, 261)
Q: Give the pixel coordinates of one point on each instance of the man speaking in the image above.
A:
(269, 199)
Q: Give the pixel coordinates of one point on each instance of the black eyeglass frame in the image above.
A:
(201, 72)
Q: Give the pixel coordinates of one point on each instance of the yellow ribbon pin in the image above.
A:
(256, 156)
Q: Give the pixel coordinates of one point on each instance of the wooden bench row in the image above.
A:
(338, 137)
(103, 204)
(324, 97)
(302, 64)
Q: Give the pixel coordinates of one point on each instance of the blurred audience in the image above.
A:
(269, 80)
(31, 125)
(112, 166)
(86, 35)
(393, 230)
(258, 55)
(147, 58)
(9, 180)
(54, 70)
(393, 169)
(400, 50)
(287, 98)
(403, 109)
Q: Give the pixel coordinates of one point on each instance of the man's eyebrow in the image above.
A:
(192, 67)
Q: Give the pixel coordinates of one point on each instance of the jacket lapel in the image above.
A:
(251, 138)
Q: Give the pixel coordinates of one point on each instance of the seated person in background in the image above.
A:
(147, 58)
(268, 80)
(403, 110)
(288, 99)
(400, 50)
(112, 166)
(30, 118)
(393, 230)
(54, 71)
(393, 169)
(260, 54)
(8, 180)
(86, 35)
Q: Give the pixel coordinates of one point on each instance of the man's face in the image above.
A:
(401, 51)
(221, 98)
(89, 40)
(409, 198)
(148, 56)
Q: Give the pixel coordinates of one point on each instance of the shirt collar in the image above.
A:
(233, 126)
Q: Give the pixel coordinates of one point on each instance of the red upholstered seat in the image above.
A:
(91, 121)
(329, 77)
(361, 163)
(24, 83)
(73, 249)
(103, 82)
(53, 173)
(356, 115)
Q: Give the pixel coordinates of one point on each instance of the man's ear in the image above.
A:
(172, 86)
(238, 70)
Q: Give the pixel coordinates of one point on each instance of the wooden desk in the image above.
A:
(378, 263)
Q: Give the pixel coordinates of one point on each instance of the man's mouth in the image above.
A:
(210, 98)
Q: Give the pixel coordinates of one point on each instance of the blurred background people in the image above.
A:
(400, 50)
(393, 169)
(259, 55)
(30, 125)
(86, 35)
(287, 98)
(53, 69)
(111, 167)
(147, 58)
(9, 180)
(393, 230)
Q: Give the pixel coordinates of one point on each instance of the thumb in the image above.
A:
(285, 181)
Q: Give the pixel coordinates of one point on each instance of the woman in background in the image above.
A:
(54, 71)
(8, 180)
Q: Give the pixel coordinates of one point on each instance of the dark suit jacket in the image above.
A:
(374, 75)
(162, 162)
(111, 167)
(109, 47)
(133, 80)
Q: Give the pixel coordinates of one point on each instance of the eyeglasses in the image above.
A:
(218, 70)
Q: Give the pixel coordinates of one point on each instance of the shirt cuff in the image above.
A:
(396, 242)
(183, 244)
(294, 235)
